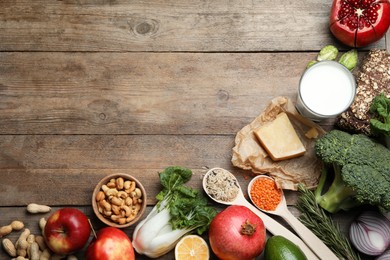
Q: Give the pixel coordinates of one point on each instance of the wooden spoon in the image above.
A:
(271, 225)
(316, 244)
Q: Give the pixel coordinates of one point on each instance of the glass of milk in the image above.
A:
(326, 89)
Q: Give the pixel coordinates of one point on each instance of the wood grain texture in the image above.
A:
(169, 26)
(63, 170)
(93, 87)
(141, 93)
(113, 151)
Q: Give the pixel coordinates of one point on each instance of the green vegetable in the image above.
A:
(322, 225)
(380, 123)
(311, 63)
(361, 172)
(179, 210)
(349, 59)
(280, 248)
(329, 52)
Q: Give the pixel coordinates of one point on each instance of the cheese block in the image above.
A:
(279, 138)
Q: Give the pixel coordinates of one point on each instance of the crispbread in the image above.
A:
(372, 79)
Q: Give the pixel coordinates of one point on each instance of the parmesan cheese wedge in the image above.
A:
(279, 139)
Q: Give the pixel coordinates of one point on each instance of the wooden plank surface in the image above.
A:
(135, 93)
(93, 87)
(45, 169)
(172, 26)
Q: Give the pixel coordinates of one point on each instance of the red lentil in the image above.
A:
(265, 194)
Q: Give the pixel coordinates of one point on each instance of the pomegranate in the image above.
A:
(237, 233)
(358, 23)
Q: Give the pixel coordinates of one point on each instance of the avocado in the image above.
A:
(280, 248)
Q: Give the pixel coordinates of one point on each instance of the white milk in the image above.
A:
(326, 90)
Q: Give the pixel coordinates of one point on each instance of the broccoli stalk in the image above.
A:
(361, 172)
(338, 196)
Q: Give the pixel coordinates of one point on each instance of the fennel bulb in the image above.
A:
(179, 210)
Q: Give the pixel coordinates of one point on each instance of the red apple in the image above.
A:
(110, 244)
(67, 230)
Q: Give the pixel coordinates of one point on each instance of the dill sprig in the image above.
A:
(322, 225)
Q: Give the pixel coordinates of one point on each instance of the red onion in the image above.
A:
(370, 233)
(384, 256)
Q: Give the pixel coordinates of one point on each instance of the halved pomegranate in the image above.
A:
(358, 23)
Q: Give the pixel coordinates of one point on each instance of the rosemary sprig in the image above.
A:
(321, 224)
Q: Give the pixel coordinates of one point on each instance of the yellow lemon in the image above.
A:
(192, 247)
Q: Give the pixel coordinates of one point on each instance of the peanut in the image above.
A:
(20, 258)
(71, 257)
(23, 237)
(21, 252)
(34, 251)
(45, 255)
(9, 247)
(17, 225)
(22, 244)
(41, 242)
(42, 223)
(5, 230)
(36, 208)
(31, 238)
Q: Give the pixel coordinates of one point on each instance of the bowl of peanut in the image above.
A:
(119, 200)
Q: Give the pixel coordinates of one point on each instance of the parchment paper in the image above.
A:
(248, 154)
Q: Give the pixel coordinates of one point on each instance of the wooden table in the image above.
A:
(92, 87)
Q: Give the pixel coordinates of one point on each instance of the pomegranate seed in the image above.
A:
(358, 14)
(357, 18)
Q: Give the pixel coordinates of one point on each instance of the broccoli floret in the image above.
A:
(361, 172)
